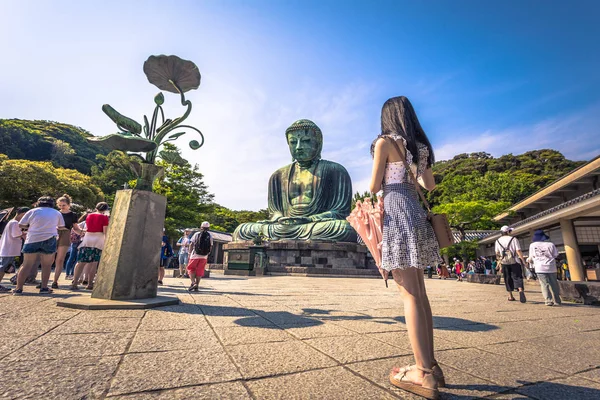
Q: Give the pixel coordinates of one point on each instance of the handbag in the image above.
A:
(439, 222)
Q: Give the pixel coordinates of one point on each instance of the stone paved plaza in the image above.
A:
(290, 337)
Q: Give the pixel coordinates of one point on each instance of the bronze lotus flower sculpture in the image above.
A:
(169, 73)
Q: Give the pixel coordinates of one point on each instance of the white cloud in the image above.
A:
(576, 135)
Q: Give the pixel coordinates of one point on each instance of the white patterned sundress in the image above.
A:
(408, 238)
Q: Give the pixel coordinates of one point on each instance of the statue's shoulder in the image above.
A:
(283, 171)
(332, 165)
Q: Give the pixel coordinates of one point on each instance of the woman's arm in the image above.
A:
(427, 180)
(379, 160)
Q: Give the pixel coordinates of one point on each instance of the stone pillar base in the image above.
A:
(292, 256)
(128, 268)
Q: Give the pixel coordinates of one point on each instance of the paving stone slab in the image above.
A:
(86, 345)
(15, 342)
(325, 330)
(116, 313)
(267, 359)
(172, 369)
(593, 375)
(495, 368)
(354, 348)
(545, 353)
(231, 336)
(165, 321)
(330, 383)
(285, 318)
(215, 310)
(193, 338)
(27, 325)
(89, 324)
(236, 321)
(57, 379)
(564, 389)
(227, 391)
(371, 326)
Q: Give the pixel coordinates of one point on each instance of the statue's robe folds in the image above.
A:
(328, 209)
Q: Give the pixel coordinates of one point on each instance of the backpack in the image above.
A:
(202, 245)
(506, 256)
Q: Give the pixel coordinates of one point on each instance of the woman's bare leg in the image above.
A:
(92, 268)
(29, 261)
(79, 267)
(411, 287)
(428, 317)
(59, 262)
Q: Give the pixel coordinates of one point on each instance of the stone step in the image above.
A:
(313, 271)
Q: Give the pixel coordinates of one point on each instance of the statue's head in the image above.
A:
(305, 140)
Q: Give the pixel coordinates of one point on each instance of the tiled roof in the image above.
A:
(566, 204)
(472, 235)
(221, 236)
(554, 209)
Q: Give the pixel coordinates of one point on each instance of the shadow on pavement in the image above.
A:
(537, 390)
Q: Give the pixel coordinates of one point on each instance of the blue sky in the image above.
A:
(495, 76)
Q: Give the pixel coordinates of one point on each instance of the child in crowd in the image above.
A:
(10, 244)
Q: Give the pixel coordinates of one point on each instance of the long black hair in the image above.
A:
(398, 117)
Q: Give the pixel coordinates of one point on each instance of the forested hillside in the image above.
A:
(473, 188)
(62, 144)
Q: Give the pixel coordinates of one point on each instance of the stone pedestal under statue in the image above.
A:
(311, 258)
(128, 270)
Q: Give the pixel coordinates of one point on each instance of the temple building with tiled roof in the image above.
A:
(568, 210)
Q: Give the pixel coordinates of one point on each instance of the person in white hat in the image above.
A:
(508, 253)
(200, 247)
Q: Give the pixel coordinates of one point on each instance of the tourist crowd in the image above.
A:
(52, 235)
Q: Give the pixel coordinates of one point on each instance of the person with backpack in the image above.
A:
(508, 252)
(199, 249)
(10, 245)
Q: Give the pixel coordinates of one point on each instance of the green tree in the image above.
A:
(22, 182)
(112, 172)
(187, 194)
(61, 152)
(361, 196)
(226, 220)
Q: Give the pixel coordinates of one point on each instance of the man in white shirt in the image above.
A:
(543, 254)
(200, 247)
(10, 244)
(508, 253)
(42, 225)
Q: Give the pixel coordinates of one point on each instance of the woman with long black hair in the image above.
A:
(409, 243)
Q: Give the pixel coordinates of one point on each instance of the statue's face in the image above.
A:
(304, 145)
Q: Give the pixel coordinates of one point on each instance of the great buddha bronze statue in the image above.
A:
(308, 199)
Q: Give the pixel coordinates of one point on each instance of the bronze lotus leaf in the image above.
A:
(171, 72)
(121, 142)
